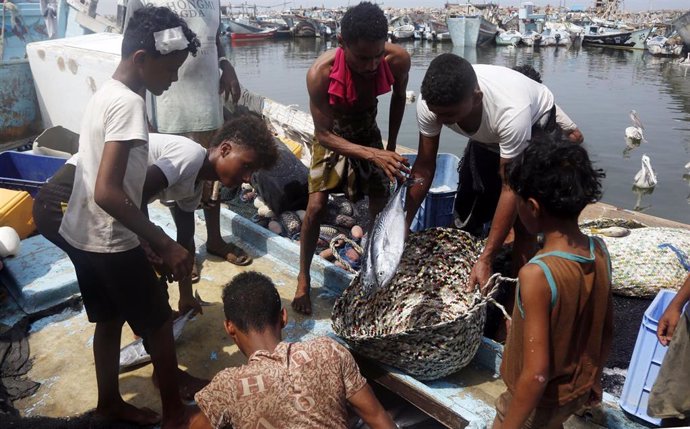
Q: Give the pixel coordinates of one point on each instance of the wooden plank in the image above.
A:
(426, 403)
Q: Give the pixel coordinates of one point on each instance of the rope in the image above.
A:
(496, 279)
(336, 254)
(682, 257)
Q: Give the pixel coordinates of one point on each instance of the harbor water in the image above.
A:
(597, 87)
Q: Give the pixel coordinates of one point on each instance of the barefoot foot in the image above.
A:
(189, 385)
(230, 252)
(123, 412)
(181, 418)
(302, 301)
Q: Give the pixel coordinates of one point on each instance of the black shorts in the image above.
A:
(121, 286)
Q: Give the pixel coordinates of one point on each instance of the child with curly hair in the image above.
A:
(561, 329)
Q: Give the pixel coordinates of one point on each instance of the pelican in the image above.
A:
(645, 178)
(636, 120)
(635, 135)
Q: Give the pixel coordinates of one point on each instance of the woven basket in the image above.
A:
(647, 260)
(422, 322)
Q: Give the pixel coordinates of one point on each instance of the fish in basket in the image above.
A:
(423, 323)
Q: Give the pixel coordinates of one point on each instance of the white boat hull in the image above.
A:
(508, 38)
(471, 30)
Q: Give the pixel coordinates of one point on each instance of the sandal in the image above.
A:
(233, 254)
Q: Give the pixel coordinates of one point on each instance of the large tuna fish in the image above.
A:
(385, 242)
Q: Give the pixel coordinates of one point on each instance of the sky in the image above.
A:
(108, 6)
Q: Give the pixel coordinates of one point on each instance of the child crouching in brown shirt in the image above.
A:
(561, 328)
(283, 385)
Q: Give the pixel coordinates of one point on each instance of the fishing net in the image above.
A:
(647, 260)
(422, 322)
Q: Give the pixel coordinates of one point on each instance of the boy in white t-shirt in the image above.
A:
(202, 81)
(103, 225)
(498, 109)
(177, 167)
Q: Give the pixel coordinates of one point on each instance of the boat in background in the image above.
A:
(553, 37)
(548, 38)
(664, 47)
(403, 32)
(562, 37)
(531, 38)
(436, 31)
(305, 28)
(682, 26)
(401, 28)
(268, 33)
(596, 35)
(508, 38)
(242, 27)
(471, 30)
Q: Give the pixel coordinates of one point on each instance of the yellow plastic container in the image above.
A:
(294, 147)
(16, 211)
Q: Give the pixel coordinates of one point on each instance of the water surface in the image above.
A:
(596, 87)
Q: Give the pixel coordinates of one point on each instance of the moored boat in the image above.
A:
(258, 35)
(663, 47)
(471, 30)
(305, 27)
(601, 36)
(562, 37)
(403, 32)
(682, 26)
(531, 38)
(548, 38)
(510, 37)
(238, 27)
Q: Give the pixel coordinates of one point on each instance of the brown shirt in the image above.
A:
(581, 325)
(299, 385)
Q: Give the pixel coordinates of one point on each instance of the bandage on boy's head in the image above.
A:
(158, 31)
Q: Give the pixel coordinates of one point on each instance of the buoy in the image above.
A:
(9, 242)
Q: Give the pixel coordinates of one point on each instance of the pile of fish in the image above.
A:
(422, 322)
(427, 288)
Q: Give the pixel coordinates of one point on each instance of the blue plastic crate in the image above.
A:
(439, 205)
(646, 360)
(26, 171)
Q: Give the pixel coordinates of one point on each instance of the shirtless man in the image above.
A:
(348, 154)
